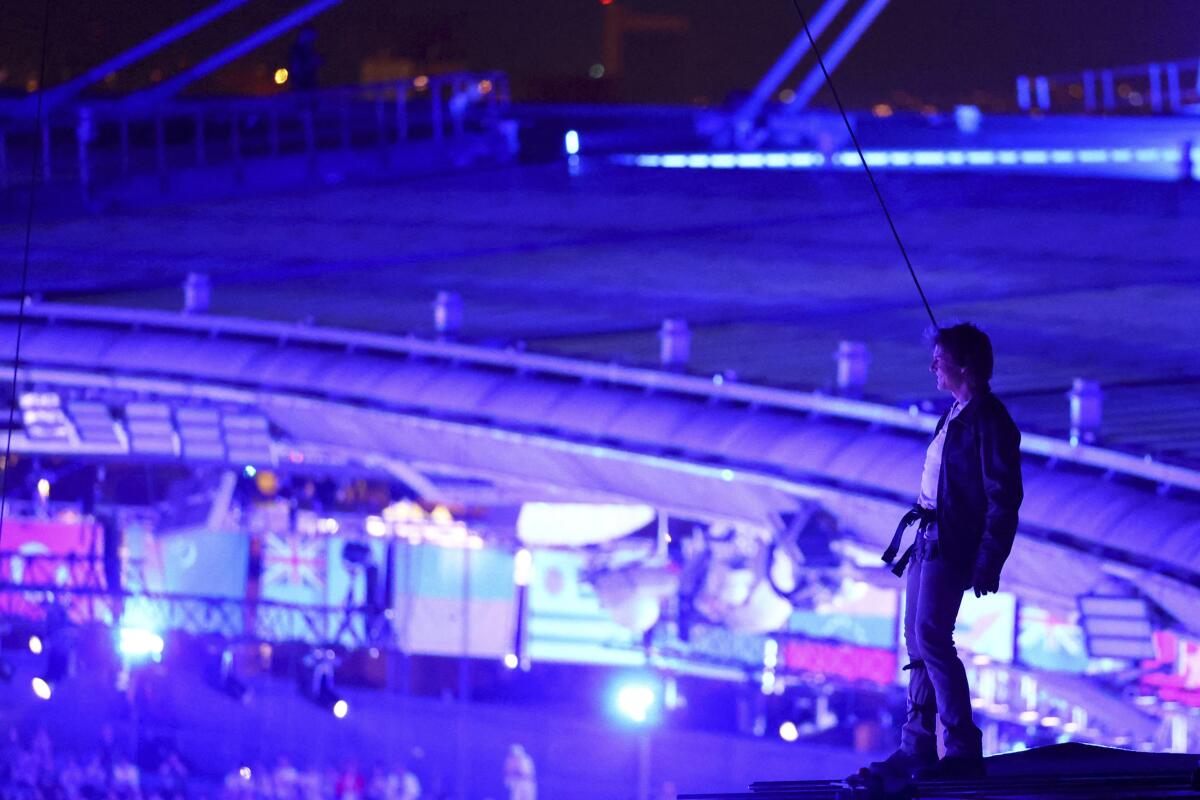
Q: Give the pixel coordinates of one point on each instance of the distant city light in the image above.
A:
(485, 86)
(596, 71)
(787, 97)
(421, 82)
(41, 688)
(788, 732)
(35, 645)
(375, 526)
(281, 76)
(511, 661)
(340, 709)
(571, 143)
(250, 471)
(139, 643)
(635, 701)
(244, 773)
(43, 489)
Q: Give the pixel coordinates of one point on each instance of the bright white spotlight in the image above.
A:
(35, 645)
(43, 489)
(511, 661)
(340, 709)
(571, 143)
(635, 701)
(788, 732)
(139, 643)
(41, 688)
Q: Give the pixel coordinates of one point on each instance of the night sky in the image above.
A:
(934, 49)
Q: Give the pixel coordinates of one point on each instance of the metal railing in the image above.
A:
(1160, 87)
(96, 143)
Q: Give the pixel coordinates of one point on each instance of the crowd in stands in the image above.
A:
(32, 769)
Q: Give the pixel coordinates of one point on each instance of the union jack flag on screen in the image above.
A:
(294, 569)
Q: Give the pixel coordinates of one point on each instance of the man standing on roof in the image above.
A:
(967, 509)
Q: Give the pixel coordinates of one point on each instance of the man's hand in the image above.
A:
(985, 579)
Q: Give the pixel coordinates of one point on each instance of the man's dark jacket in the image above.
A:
(979, 489)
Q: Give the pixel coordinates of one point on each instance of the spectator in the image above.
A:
(519, 774)
(351, 785)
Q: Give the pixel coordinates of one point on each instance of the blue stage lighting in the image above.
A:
(571, 143)
(139, 644)
(636, 701)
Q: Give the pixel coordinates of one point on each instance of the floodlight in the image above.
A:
(139, 643)
(635, 701)
(42, 688)
(571, 143)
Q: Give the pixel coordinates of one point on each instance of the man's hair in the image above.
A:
(970, 348)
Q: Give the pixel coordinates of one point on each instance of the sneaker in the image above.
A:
(899, 764)
(952, 768)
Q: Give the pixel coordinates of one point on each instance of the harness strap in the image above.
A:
(925, 516)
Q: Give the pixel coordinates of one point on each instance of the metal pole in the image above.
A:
(200, 139)
(68, 90)
(273, 130)
(310, 138)
(1041, 85)
(849, 37)
(45, 131)
(1174, 95)
(745, 116)
(380, 122)
(401, 112)
(1156, 99)
(435, 96)
(231, 53)
(83, 134)
(235, 138)
(344, 111)
(160, 151)
(1024, 95)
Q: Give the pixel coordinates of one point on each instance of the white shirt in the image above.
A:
(933, 462)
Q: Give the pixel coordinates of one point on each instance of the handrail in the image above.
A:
(717, 387)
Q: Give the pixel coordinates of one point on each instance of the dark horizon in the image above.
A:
(935, 49)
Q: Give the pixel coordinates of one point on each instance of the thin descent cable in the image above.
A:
(12, 409)
(861, 157)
